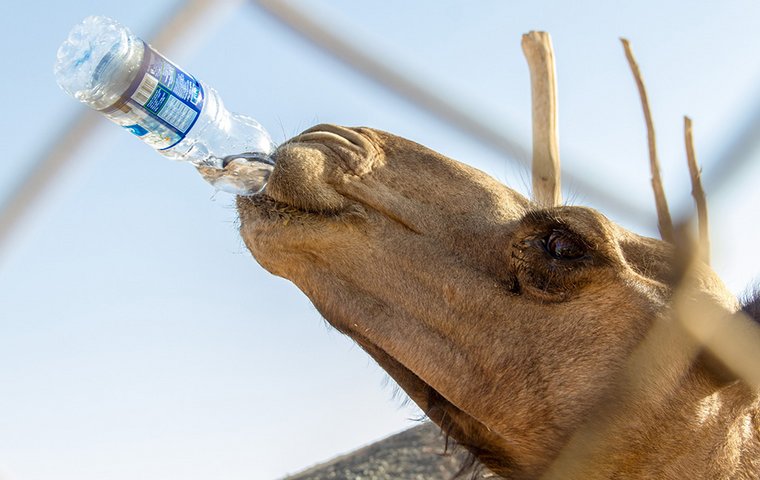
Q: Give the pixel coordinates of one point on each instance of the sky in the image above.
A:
(140, 339)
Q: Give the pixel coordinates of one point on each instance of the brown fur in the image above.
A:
(507, 324)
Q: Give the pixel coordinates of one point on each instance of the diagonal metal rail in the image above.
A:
(740, 150)
(429, 101)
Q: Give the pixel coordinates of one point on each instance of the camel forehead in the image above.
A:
(427, 183)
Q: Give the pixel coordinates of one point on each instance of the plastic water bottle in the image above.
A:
(107, 67)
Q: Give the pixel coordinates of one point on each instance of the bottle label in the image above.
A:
(161, 105)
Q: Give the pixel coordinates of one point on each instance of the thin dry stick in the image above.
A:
(697, 192)
(664, 221)
(537, 47)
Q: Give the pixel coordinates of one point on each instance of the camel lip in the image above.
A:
(263, 212)
(272, 208)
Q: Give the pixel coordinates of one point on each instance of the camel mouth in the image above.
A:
(311, 179)
(264, 211)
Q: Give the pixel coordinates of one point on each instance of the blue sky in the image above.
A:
(139, 339)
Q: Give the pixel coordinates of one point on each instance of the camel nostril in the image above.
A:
(350, 149)
(304, 176)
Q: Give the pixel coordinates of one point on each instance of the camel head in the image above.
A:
(502, 320)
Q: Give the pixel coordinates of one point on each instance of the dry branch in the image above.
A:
(665, 223)
(537, 47)
(697, 192)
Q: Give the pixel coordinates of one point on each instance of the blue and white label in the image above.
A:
(136, 130)
(162, 104)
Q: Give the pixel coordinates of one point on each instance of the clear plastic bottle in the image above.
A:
(107, 67)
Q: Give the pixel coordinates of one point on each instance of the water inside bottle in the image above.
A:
(244, 174)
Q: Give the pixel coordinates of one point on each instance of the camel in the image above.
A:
(545, 340)
(505, 322)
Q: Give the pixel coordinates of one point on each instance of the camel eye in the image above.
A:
(563, 245)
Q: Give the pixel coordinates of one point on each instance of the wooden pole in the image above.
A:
(537, 47)
(665, 223)
(697, 192)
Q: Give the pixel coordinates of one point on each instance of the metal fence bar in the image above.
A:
(735, 154)
(423, 97)
(47, 166)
